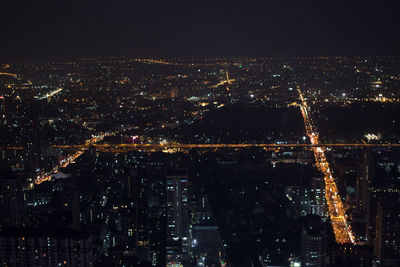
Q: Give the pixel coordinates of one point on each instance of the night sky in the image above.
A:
(58, 28)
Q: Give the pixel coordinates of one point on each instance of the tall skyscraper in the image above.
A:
(314, 243)
(177, 217)
(318, 200)
(135, 219)
(387, 239)
(364, 176)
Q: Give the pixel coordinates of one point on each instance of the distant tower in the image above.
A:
(177, 215)
(174, 92)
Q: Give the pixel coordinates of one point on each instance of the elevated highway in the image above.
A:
(211, 146)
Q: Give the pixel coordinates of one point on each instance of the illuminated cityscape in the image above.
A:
(208, 134)
(162, 178)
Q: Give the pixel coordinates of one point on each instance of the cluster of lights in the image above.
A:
(370, 137)
(49, 94)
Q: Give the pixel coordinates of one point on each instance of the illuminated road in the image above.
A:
(341, 228)
(227, 82)
(127, 147)
(46, 176)
(9, 74)
(49, 94)
(188, 146)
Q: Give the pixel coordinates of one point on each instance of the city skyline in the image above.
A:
(199, 133)
(179, 162)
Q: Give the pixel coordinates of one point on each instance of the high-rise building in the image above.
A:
(305, 200)
(135, 218)
(387, 239)
(300, 200)
(45, 247)
(11, 199)
(363, 179)
(31, 146)
(318, 200)
(177, 216)
(207, 246)
(364, 176)
(314, 243)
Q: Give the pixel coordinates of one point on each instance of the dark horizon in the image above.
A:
(177, 29)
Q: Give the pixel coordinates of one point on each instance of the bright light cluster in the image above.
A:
(341, 229)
